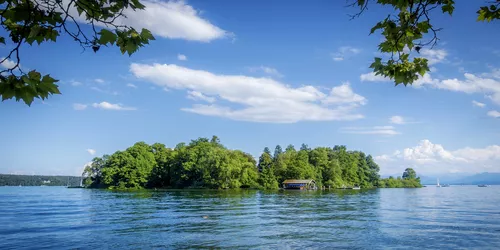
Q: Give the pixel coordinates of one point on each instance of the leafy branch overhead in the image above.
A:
(30, 21)
(411, 29)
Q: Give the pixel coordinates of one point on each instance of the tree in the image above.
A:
(265, 160)
(409, 173)
(205, 163)
(410, 29)
(277, 152)
(42, 21)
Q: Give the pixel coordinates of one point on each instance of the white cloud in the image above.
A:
(428, 157)
(344, 52)
(401, 120)
(376, 130)
(344, 94)
(7, 63)
(494, 114)
(195, 95)
(478, 104)
(110, 106)
(254, 99)
(266, 70)
(171, 19)
(99, 80)
(397, 120)
(434, 55)
(383, 158)
(371, 77)
(471, 84)
(91, 151)
(75, 83)
(130, 85)
(79, 106)
(182, 57)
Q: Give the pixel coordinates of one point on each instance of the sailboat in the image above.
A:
(438, 183)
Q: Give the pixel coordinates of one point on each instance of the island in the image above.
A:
(206, 163)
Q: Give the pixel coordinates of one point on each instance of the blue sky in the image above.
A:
(257, 74)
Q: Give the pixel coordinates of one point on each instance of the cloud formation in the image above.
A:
(376, 130)
(478, 104)
(434, 55)
(494, 114)
(91, 151)
(195, 95)
(267, 70)
(182, 57)
(428, 157)
(344, 52)
(397, 120)
(173, 19)
(111, 106)
(8, 64)
(487, 84)
(130, 85)
(79, 106)
(254, 99)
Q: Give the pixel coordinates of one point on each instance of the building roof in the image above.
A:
(297, 181)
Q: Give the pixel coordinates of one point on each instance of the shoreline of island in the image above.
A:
(206, 163)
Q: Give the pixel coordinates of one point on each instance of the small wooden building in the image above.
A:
(299, 184)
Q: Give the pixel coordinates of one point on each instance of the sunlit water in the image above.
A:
(458, 217)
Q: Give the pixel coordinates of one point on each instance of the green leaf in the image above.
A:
(107, 37)
(34, 31)
(7, 93)
(448, 8)
(54, 34)
(146, 35)
(33, 75)
(131, 48)
(2, 39)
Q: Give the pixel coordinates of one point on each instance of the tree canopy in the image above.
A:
(205, 163)
(40, 21)
(411, 29)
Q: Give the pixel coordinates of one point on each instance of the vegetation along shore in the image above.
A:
(206, 163)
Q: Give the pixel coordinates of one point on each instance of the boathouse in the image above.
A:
(299, 184)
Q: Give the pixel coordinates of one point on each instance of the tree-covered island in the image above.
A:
(206, 163)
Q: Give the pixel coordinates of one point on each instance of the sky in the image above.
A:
(258, 74)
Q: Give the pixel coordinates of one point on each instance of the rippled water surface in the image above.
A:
(458, 217)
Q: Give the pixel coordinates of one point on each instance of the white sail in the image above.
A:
(438, 183)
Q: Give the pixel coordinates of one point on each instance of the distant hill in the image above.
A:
(465, 179)
(38, 180)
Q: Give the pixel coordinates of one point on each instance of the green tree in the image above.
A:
(409, 173)
(409, 30)
(26, 22)
(265, 160)
(277, 152)
(268, 179)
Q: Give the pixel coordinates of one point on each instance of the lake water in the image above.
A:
(458, 217)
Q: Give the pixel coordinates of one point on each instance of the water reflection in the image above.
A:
(62, 218)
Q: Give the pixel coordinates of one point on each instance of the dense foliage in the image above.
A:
(335, 167)
(28, 21)
(202, 163)
(38, 180)
(409, 180)
(205, 163)
(409, 28)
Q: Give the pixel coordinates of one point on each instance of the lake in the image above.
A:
(457, 217)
